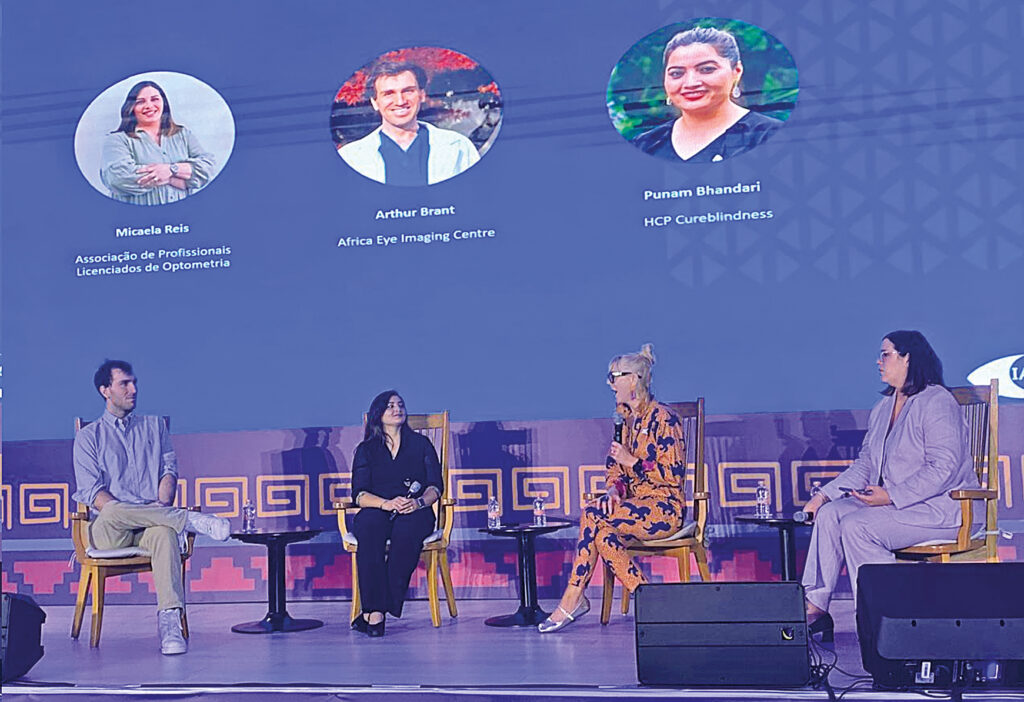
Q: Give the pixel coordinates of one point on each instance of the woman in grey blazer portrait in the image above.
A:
(895, 494)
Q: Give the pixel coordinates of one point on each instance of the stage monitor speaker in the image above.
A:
(20, 635)
(916, 621)
(722, 634)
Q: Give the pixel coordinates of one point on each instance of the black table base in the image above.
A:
(787, 538)
(276, 622)
(529, 612)
(277, 618)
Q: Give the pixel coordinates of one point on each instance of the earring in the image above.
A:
(736, 91)
(668, 100)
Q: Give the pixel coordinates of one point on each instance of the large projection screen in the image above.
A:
(279, 284)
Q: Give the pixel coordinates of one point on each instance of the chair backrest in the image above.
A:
(692, 414)
(434, 426)
(980, 406)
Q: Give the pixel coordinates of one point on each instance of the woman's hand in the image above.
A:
(401, 505)
(815, 503)
(873, 496)
(621, 456)
(608, 501)
(154, 174)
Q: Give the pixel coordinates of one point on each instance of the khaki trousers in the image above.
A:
(154, 528)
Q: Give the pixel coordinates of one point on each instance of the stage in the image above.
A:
(463, 659)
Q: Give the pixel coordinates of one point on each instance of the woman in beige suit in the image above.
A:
(896, 493)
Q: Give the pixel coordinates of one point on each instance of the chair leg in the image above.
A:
(683, 564)
(432, 594)
(701, 557)
(184, 610)
(98, 591)
(449, 591)
(357, 606)
(625, 600)
(607, 591)
(83, 591)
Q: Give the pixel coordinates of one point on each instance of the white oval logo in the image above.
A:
(1009, 371)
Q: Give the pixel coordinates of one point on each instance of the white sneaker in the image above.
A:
(172, 641)
(215, 527)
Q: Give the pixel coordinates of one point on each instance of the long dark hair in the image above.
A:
(924, 368)
(129, 123)
(374, 415)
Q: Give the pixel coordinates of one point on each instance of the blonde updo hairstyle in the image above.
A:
(639, 364)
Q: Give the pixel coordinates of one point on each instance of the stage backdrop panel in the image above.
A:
(294, 475)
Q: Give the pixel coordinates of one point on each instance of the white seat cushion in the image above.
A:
(686, 532)
(935, 542)
(435, 535)
(127, 552)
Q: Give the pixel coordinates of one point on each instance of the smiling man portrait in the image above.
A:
(404, 150)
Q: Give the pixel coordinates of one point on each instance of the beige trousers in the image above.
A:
(154, 528)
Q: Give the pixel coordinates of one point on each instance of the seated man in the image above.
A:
(404, 150)
(125, 468)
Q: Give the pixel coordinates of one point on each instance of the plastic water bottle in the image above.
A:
(493, 513)
(763, 499)
(539, 518)
(815, 488)
(248, 517)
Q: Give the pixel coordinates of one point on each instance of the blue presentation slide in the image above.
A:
(276, 210)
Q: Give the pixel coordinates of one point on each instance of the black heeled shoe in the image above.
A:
(360, 624)
(375, 630)
(825, 626)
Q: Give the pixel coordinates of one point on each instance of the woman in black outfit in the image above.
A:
(387, 464)
(702, 72)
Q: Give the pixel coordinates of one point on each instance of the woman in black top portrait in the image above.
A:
(702, 74)
(388, 465)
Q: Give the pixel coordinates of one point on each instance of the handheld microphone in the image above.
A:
(619, 421)
(414, 487)
(805, 517)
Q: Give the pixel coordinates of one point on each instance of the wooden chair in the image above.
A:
(100, 565)
(435, 546)
(689, 539)
(981, 410)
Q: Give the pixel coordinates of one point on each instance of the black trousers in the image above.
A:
(384, 572)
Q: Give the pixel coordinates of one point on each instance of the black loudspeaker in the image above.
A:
(21, 629)
(942, 625)
(722, 634)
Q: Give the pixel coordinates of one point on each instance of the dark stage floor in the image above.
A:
(463, 659)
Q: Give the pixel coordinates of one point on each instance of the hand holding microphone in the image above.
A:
(619, 453)
(806, 515)
(414, 487)
(611, 499)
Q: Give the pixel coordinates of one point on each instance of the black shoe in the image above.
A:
(375, 630)
(360, 624)
(823, 625)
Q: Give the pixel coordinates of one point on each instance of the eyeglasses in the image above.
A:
(885, 354)
(617, 374)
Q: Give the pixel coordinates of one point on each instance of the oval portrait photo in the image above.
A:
(416, 116)
(702, 91)
(154, 138)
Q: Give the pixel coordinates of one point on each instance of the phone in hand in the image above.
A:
(862, 491)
